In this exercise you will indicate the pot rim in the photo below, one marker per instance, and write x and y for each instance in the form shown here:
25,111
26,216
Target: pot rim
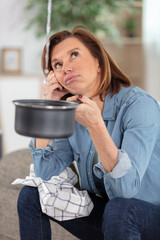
24,103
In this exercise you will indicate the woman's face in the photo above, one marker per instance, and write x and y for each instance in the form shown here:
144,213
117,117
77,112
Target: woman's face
75,68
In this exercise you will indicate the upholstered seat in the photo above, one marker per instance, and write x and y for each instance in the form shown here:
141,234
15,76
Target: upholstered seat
12,166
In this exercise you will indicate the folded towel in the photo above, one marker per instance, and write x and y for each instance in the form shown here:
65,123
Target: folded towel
58,196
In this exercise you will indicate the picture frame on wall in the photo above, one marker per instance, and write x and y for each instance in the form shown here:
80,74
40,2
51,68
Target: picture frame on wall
11,60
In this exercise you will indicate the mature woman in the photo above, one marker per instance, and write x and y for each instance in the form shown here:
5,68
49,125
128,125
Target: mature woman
116,145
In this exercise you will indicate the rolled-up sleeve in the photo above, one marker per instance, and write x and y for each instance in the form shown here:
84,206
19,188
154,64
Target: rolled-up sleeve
53,159
122,167
140,125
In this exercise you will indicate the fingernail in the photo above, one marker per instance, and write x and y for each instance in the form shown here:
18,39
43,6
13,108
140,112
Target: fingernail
80,96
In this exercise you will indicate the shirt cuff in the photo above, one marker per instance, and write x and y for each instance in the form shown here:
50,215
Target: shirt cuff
122,167
50,147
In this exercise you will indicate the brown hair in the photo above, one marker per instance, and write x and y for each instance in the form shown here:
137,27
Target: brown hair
111,76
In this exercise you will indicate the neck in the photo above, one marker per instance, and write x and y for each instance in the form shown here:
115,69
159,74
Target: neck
99,102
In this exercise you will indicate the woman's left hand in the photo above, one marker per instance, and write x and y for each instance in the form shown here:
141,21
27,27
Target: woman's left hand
87,113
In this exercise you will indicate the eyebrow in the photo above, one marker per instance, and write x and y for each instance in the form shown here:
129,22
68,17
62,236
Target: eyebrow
56,59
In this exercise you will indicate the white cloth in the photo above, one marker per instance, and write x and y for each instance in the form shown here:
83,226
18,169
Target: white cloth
58,196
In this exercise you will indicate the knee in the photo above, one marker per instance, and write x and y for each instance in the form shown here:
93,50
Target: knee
118,207
118,210
114,209
27,197
120,218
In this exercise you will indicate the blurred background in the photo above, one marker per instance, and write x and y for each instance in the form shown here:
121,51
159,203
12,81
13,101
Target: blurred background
129,30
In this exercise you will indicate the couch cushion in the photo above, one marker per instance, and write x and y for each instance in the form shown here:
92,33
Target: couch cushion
14,165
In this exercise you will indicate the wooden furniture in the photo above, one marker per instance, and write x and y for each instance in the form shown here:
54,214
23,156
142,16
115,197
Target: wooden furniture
129,54
130,58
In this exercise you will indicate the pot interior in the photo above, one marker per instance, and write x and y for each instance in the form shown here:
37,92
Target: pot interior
50,104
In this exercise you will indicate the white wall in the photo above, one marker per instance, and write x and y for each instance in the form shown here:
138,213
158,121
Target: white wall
151,38
12,88
13,20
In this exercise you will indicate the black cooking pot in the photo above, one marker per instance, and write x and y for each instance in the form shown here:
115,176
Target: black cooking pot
45,118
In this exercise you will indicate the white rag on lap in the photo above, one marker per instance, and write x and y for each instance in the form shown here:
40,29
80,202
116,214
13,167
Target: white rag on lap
58,196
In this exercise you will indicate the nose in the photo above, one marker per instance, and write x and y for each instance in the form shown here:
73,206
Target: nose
67,68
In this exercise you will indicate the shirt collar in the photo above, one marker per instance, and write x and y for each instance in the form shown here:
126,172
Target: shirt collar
109,111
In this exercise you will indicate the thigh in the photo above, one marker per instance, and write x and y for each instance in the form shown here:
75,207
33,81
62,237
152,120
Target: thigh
148,220
131,219
89,227
146,217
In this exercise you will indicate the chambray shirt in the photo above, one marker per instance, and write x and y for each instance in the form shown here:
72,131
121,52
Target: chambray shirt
132,118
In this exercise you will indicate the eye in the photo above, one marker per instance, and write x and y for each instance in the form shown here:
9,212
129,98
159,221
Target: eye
74,54
57,65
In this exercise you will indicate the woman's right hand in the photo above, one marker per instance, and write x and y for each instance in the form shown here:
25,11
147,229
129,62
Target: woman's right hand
52,89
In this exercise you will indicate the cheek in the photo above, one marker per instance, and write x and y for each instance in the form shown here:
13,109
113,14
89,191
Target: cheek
58,76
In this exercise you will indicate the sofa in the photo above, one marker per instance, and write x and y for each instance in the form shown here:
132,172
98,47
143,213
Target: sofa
16,165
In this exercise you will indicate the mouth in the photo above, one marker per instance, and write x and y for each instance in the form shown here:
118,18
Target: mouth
70,79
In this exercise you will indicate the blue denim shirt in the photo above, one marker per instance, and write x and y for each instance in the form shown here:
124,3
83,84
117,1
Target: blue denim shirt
132,118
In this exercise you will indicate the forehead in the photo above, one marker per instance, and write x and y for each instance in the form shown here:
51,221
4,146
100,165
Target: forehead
66,46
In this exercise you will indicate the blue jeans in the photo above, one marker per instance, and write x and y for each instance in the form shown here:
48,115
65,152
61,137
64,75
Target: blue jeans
118,219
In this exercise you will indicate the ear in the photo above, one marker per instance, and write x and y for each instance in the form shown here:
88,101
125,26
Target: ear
99,69
98,66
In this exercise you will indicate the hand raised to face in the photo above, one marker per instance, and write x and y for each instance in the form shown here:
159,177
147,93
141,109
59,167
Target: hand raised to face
52,88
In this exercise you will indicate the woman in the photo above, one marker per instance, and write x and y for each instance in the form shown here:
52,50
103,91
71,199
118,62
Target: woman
116,143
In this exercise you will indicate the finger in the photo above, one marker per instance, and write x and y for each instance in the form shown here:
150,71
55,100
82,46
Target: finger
50,73
65,91
72,99
50,81
52,87
51,78
56,86
84,99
